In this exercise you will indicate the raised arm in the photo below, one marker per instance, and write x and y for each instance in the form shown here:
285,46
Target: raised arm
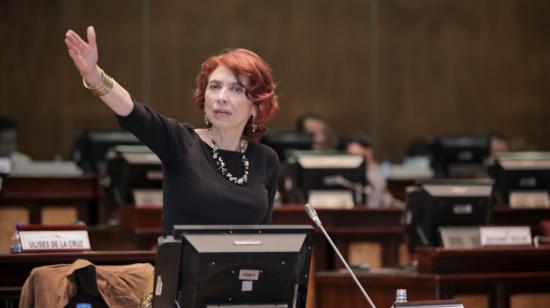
85,55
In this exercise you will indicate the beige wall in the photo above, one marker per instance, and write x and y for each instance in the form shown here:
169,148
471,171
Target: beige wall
396,69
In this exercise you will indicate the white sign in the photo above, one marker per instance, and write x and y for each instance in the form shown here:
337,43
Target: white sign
5,165
330,161
148,197
331,199
529,199
54,240
249,274
247,286
505,235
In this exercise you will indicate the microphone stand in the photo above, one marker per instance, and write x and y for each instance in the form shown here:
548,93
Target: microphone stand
315,218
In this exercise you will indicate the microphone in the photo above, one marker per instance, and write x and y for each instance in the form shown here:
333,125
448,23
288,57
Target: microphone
312,213
339,180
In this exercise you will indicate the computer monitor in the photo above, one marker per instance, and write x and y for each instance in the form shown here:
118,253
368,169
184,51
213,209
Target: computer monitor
91,148
328,171
239,266
522,179
132,169
437,203
3,178
460,156
5,169
285,143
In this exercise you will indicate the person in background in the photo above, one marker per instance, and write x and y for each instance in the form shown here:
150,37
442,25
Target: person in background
323,137
8,142
379,196
498,143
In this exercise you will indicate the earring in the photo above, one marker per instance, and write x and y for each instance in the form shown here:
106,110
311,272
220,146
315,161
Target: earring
206,120
254,125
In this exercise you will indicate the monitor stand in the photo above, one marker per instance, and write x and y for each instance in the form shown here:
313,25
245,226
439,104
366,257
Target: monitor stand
167,265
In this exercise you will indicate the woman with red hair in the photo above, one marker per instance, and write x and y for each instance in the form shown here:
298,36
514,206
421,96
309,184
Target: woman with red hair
214,175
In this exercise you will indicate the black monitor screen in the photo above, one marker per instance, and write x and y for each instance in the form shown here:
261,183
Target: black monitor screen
521,174
133,168
437,203
5,169
285,143
328,171
252,266
3,178
460,156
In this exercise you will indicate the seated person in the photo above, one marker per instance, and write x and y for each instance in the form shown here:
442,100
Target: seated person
323,137
8,142
498,143
379,194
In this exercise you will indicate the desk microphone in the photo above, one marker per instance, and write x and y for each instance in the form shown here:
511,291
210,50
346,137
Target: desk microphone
315,218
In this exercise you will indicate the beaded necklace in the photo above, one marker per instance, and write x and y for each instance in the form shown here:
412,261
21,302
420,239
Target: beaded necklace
221,164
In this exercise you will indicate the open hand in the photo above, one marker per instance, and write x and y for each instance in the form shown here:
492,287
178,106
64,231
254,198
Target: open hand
84,54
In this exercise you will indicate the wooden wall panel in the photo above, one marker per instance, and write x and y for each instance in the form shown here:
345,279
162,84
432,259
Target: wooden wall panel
40,88
397,69
317,49
463,67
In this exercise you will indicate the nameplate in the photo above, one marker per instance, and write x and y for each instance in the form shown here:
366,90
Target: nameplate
62,240
460,237
529,200
430,304
505,236
148,197
5,165
331,199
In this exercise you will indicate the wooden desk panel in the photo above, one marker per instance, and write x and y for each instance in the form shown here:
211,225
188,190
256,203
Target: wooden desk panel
360,224
63,199
496,274
337,289
50,188
503,215
382,226
483,260
35,193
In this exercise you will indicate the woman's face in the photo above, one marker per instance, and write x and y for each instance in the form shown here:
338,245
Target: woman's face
356,148
225,102
316,128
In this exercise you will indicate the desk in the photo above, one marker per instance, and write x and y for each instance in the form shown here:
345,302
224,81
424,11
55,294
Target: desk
382,226
493,274
504,215
337,289
46,199
144,221
35,193
498,272
360,224
15,268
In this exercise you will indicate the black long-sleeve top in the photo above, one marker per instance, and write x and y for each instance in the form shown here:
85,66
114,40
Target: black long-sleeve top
195,192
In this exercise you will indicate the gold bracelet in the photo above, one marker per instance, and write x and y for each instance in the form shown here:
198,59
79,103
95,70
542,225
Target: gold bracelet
105,85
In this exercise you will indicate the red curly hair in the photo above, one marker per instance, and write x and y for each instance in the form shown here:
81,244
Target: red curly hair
260,89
